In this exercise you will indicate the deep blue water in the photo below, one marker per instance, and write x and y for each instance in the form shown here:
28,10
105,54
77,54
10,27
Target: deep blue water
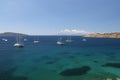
46,60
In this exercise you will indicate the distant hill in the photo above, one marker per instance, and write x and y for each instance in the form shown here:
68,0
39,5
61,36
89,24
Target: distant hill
12,34
104,35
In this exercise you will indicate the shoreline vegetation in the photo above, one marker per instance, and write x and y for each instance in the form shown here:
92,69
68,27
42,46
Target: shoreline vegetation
104,35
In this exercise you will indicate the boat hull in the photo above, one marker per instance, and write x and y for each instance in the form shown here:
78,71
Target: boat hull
60,43
18,45
68,40
35,41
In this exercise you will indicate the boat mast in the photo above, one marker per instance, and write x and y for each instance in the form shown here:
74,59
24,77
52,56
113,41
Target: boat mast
17,38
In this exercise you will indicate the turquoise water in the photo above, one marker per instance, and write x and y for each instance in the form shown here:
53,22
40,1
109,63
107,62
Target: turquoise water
46,60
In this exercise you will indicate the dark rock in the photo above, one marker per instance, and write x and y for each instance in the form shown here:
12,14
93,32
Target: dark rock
75,71
95,61
8,75
115,65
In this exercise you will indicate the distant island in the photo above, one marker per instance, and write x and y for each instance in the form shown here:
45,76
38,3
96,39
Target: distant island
104,35
12,34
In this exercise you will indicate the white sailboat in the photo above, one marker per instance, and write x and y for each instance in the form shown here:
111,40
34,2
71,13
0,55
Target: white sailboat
69,39
25,39
36,40
4,39
84,39
60,42
18,43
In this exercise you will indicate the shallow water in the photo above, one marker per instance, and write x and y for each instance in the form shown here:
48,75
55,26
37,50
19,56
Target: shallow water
46,60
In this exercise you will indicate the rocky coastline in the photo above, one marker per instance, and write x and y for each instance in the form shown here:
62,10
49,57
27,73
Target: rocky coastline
104,35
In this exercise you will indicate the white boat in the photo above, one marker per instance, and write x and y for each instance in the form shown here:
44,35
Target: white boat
36,40
18,43
25,39
4,39
69,39
59,42
84,39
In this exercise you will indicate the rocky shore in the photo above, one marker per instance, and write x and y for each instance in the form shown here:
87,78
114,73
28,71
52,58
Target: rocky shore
104,35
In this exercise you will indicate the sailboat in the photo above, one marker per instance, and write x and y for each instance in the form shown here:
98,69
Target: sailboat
60,42
18,43
36,40
84,39
25,39
4,39
69,39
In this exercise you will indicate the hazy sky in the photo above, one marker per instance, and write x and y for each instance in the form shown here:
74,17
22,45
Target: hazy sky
54,16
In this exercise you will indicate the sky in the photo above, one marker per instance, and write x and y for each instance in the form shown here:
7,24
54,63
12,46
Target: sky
51,17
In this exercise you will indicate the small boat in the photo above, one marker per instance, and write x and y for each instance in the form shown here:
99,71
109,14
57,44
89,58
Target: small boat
69,39
18,43
36,40
4,39
84,39
25,39
59,42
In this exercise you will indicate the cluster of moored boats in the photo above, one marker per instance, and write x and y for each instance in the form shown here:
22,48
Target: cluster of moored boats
59,41
20,44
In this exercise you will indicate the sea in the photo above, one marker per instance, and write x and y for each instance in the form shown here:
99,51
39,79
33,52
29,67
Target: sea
89,59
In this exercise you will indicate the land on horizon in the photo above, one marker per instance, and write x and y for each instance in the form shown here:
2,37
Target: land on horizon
104,35
12,34
93,35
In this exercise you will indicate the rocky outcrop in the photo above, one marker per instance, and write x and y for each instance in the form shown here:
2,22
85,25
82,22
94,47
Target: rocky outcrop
115,65
104,35
75,71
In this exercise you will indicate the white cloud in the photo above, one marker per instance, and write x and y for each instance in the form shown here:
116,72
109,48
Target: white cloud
74,32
